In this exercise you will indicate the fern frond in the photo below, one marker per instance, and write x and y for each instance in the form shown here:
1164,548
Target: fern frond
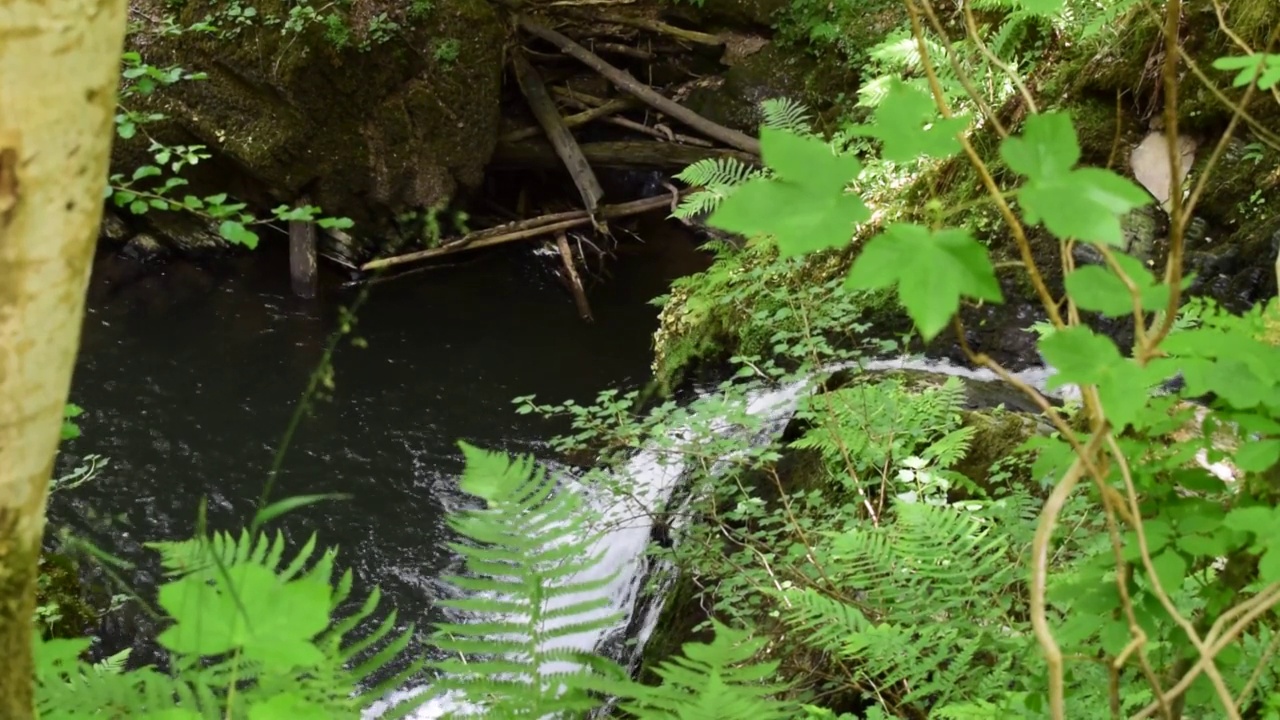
532,584
786,114
714,680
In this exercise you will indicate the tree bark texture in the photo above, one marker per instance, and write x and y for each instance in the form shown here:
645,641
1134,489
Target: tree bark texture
59,72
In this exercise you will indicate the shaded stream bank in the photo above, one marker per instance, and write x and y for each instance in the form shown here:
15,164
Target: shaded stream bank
188,377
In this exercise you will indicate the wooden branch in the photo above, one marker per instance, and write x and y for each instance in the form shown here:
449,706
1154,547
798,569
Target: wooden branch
534,227
544,109
628,84
620,49
572,121
572,98
661,27
575,282
627,154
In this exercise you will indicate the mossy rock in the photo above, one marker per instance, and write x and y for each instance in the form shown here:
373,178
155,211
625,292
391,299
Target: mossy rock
367,132
773,72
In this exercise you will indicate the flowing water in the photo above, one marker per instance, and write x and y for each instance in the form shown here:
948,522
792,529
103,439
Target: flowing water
188,378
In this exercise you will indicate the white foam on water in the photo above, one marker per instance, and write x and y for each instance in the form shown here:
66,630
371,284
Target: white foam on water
654,474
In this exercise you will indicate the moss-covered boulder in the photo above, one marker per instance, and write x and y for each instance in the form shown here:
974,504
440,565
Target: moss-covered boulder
370,108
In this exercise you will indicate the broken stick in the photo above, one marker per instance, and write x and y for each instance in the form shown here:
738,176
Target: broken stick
572,121
575,282
628,84
525,229
544,109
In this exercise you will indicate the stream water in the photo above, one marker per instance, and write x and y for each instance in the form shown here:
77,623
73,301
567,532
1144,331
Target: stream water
188,378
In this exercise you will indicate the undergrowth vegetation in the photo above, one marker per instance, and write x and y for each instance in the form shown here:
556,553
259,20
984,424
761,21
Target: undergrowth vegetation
1120,559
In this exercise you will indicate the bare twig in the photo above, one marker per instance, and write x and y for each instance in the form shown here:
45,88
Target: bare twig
628,84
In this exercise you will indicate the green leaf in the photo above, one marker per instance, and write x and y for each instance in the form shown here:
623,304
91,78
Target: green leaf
236,233
1098,288
1082,357
1257,456
801,219
806,207
932,269
1042,7
1249,67
1269,565
807,161
909,126
339,223
1084,204
146,171
1257,519
139,207
1170,569
280,507
276,626
1047,149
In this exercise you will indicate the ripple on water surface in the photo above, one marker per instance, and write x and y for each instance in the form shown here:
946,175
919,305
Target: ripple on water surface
188,378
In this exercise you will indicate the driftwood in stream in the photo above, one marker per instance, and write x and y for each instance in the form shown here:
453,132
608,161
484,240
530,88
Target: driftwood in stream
525,229
575,282
659,27
642,155
625,82
302,254
544,110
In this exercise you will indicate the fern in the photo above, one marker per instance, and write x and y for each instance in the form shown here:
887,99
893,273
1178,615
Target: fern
787,115
923,627
716,178
524,600
712,682
252,636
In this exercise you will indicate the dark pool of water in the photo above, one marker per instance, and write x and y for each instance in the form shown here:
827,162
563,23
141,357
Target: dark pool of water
189,376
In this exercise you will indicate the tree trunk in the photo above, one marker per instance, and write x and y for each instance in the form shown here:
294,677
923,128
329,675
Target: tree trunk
59,71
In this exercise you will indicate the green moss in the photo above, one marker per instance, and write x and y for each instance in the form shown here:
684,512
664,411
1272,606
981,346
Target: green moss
997,435
68,607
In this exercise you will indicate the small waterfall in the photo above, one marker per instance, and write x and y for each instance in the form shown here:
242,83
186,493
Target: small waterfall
655,474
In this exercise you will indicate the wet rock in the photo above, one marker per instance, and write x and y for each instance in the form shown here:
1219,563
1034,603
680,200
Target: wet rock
368,114
114,229
144,247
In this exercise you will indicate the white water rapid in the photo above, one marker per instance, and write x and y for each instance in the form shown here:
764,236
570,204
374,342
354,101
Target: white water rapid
654,475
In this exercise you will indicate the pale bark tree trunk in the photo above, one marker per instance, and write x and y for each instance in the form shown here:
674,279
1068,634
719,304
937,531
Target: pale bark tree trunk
59,71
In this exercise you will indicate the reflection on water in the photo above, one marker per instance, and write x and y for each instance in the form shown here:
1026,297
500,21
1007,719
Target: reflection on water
188,378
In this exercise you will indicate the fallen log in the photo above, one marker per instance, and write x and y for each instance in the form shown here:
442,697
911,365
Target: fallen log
661,27
626,154
575,282
572,98
625,82
544,110
525,229
575,120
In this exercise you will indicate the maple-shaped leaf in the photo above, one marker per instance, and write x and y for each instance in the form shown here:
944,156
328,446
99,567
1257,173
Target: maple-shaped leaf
1084,203
807,161
1080,356
806,207
932,269
909,126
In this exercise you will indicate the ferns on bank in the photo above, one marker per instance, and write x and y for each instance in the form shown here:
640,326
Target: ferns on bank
252,636
918,619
